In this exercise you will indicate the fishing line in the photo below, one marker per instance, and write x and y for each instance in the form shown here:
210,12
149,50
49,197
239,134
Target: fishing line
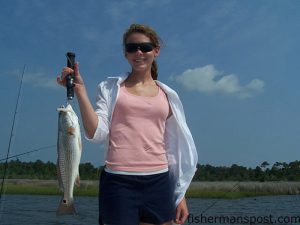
11,133
28,152
215,202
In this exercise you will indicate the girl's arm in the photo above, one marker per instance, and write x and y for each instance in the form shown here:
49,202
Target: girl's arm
88,115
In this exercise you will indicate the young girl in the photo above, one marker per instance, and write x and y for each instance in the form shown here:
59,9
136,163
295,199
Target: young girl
150,156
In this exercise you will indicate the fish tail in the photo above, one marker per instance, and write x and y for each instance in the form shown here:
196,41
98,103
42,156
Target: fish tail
66,208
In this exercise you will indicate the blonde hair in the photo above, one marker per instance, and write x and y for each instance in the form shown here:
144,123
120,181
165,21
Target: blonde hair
152,35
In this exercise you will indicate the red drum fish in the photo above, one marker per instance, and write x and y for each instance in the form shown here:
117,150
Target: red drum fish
69,149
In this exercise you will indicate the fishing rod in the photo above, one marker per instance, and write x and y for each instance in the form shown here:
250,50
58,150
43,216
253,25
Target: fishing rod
28,152
11,133
70,78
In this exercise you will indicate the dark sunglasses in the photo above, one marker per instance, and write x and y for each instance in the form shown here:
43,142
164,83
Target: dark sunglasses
144,47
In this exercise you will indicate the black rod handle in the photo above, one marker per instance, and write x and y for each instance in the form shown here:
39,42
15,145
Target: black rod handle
70,77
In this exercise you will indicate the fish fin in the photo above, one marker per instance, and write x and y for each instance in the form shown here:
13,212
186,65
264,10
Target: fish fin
60,183
77,180
66,208
71,131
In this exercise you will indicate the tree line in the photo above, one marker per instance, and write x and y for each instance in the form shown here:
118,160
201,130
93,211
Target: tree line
17,169
279,171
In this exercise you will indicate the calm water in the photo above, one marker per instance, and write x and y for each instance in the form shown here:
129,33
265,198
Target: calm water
41,210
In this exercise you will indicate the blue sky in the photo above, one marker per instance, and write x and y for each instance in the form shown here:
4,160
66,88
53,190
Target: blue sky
235,65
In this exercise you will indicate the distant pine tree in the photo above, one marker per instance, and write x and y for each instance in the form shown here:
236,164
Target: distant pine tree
280,171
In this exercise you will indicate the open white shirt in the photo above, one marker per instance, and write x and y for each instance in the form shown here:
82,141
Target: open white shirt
181,151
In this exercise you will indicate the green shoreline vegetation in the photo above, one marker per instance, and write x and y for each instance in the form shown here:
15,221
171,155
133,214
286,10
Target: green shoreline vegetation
209,181
227,190
39,188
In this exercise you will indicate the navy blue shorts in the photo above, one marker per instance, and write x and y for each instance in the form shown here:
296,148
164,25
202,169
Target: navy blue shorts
131,199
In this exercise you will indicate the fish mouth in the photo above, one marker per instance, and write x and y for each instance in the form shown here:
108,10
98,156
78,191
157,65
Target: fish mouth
61,109
64,109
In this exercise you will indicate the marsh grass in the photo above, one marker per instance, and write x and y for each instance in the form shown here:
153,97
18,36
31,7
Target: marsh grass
196,189
241,189
48,187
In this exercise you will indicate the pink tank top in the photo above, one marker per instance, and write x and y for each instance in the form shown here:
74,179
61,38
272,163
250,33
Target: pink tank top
137,133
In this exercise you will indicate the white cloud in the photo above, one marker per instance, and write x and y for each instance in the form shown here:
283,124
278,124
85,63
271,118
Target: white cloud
209,80
36,79
39,79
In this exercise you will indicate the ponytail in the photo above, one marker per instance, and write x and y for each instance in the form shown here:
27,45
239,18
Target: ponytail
154,70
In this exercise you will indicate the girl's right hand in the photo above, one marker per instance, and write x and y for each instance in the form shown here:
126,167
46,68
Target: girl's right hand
78,82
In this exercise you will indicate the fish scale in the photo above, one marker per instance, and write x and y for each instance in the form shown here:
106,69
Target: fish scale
69,153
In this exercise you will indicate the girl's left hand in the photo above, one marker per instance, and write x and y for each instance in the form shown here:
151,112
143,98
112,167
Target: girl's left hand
182,212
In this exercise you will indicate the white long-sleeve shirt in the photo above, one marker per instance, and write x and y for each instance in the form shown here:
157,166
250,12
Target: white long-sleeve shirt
181,151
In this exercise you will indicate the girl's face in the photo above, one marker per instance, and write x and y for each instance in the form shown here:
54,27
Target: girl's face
140,56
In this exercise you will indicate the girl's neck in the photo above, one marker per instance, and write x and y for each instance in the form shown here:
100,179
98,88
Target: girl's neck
140,77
